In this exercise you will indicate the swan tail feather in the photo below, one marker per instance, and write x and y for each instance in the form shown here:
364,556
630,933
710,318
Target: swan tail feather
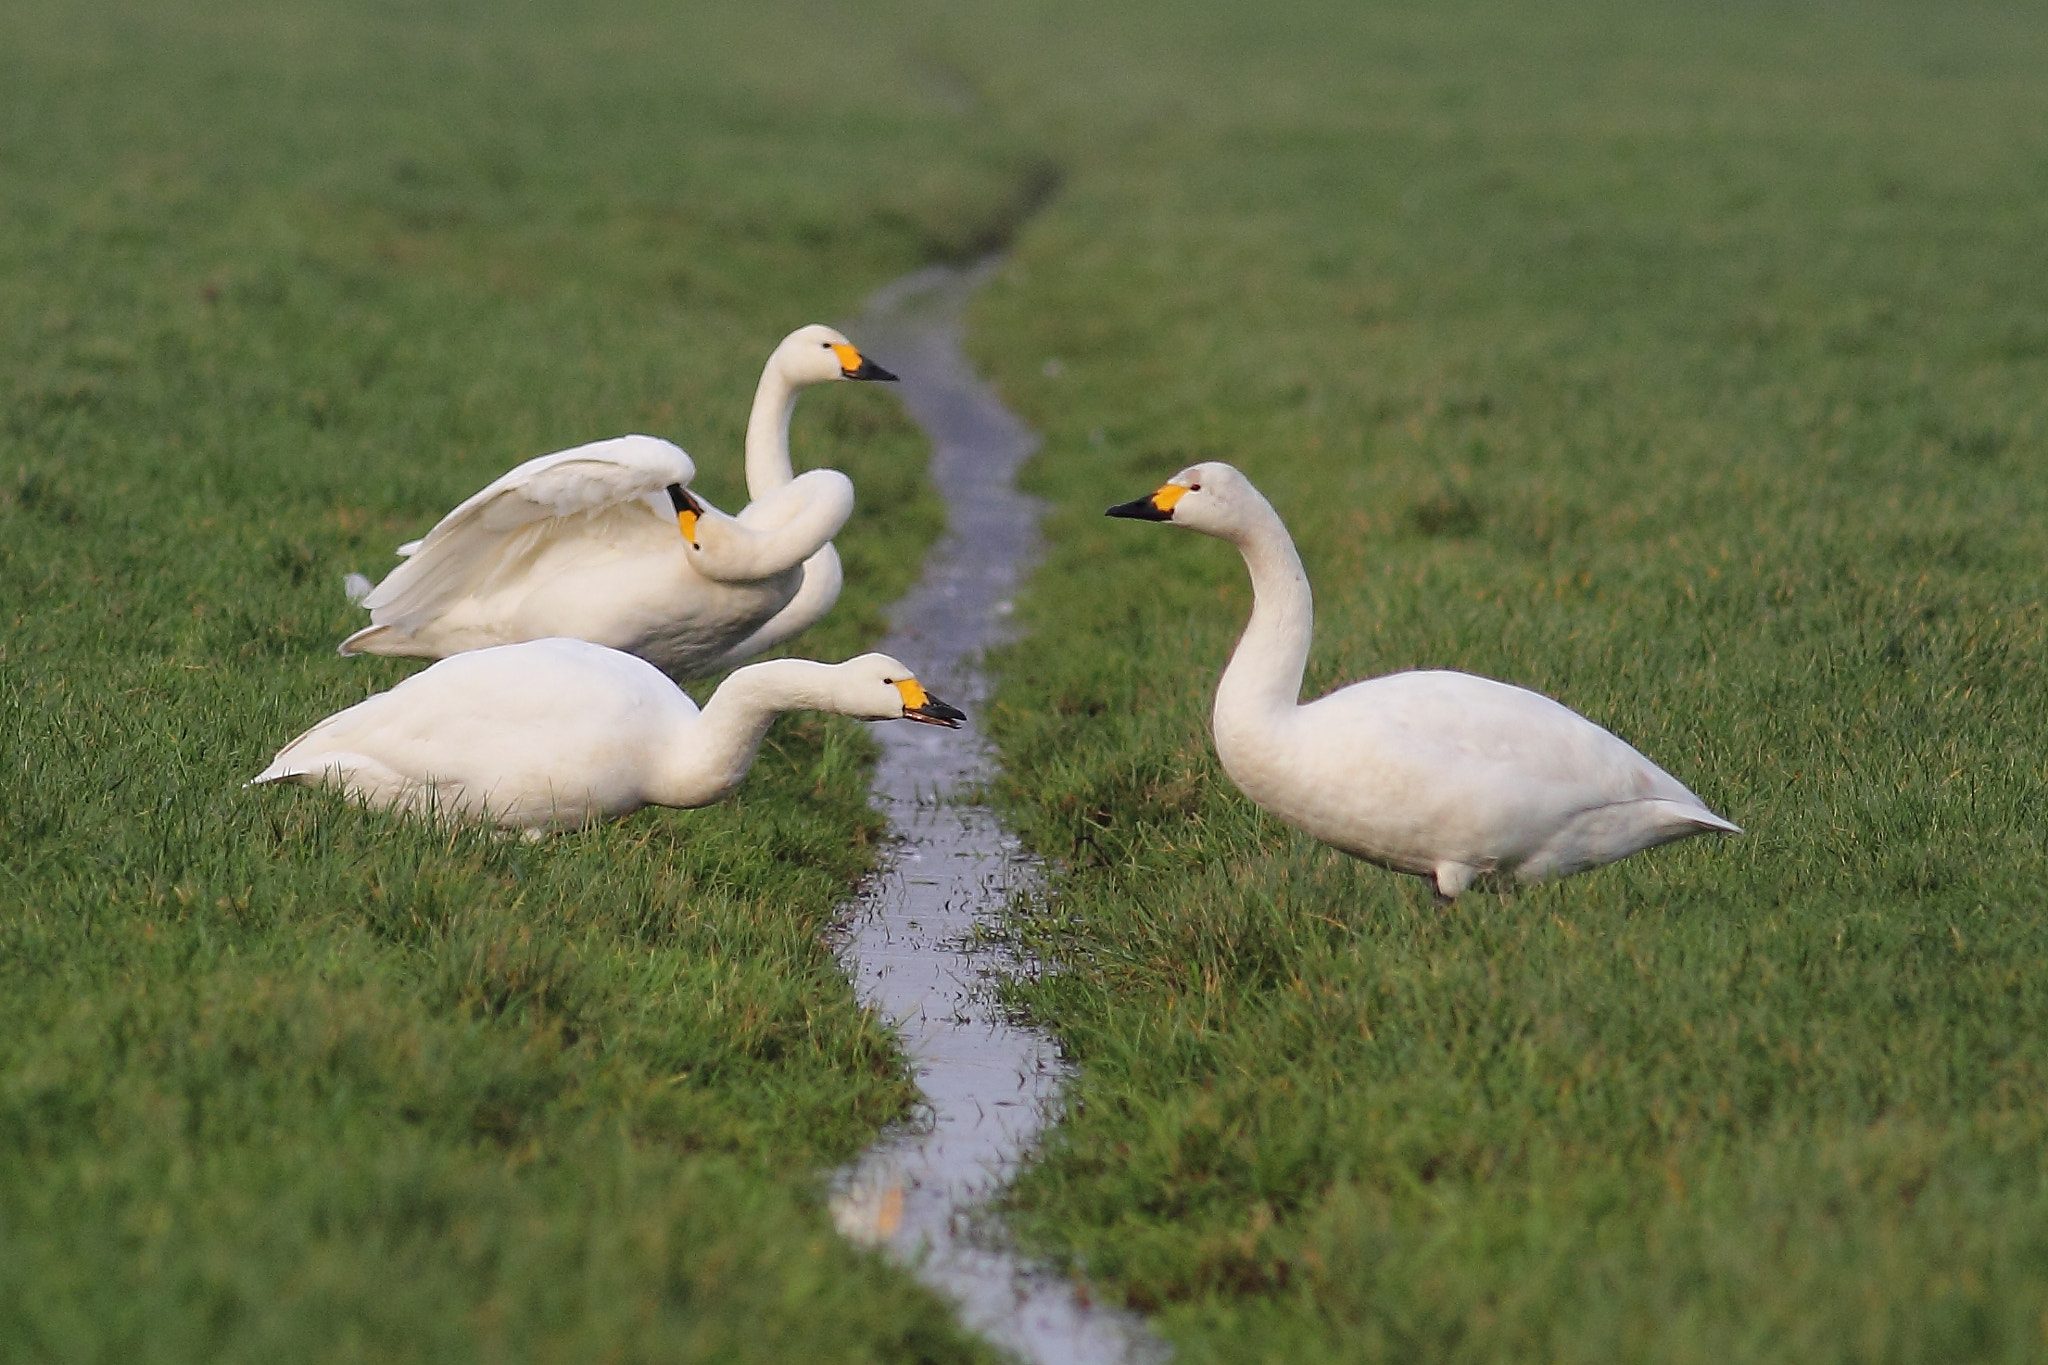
386,640
1701,819
363,777
284,769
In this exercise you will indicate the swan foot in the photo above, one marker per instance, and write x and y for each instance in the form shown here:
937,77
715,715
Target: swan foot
1452,879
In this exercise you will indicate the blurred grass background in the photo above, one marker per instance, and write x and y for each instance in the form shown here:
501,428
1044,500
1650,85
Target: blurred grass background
1687,363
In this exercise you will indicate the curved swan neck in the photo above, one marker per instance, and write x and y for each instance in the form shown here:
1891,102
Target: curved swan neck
768,466
1263,679
777,531
728,733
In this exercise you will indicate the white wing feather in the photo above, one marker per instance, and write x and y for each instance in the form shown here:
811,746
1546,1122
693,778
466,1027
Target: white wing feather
494,532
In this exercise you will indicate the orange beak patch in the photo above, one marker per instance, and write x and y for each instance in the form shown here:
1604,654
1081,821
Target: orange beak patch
1158,507
854,365
688,509
920,705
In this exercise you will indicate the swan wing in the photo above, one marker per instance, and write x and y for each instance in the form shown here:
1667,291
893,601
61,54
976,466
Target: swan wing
1435,765
604,496
1482,733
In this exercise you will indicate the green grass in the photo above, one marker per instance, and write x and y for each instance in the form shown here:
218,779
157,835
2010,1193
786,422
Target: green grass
283,1080
1689,364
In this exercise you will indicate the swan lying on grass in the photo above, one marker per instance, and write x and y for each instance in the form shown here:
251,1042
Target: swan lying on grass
606,543
557,734
1443,775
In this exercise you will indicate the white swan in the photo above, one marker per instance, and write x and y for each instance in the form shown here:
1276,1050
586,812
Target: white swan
795,365
1444,775
557,734
605,543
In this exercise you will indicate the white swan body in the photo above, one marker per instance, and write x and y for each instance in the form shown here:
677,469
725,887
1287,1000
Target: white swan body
557,734
586,543
1443,775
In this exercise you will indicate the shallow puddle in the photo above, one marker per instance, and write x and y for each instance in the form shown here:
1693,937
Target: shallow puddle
912,949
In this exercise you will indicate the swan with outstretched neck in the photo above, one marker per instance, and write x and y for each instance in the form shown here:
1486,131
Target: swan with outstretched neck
1444,775
605,542
558,734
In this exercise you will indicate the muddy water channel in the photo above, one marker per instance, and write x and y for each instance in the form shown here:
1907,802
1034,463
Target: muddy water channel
912,947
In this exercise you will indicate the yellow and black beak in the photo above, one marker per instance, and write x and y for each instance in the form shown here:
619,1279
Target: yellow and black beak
688,509
854,365
920,705
1154,507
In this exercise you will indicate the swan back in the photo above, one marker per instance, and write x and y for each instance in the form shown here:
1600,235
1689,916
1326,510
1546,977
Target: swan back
544,734
555,733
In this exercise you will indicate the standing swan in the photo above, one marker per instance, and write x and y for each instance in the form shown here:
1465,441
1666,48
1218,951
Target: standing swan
557,734
1443,775
605,543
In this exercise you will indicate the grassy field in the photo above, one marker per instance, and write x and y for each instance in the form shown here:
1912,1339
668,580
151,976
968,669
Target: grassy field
1689,364
280,1080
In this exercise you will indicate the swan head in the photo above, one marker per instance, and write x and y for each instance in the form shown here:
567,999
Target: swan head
877,687
818,354
688,512
1212,497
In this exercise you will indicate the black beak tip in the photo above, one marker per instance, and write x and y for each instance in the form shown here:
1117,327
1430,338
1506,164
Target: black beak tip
936,712
871,371
1139,509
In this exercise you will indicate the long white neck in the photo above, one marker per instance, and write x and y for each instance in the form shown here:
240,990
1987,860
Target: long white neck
768,466
777,531
728,733
1261,688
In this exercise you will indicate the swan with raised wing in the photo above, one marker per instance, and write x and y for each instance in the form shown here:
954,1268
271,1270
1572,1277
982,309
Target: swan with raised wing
605,542
1444,775
557,734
